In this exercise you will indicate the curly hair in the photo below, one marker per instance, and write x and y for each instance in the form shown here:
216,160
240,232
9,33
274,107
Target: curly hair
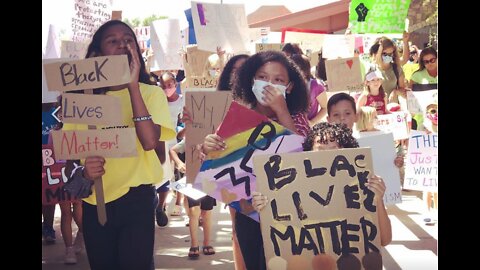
299,98
329,131
225,80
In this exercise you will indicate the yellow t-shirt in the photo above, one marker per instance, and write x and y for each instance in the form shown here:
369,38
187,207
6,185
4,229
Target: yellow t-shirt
123,173
409,69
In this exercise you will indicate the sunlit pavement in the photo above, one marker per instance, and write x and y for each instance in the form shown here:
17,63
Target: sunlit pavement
414,244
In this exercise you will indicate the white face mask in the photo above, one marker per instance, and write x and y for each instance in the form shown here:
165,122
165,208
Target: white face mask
259,86
387,58
212,72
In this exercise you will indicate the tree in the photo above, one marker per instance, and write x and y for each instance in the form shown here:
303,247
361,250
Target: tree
148,21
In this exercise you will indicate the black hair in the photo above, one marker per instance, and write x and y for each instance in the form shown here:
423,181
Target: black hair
426,51
169,74
337,132
292,49
299,98
303,63
224,82
339,97
94,49
321,70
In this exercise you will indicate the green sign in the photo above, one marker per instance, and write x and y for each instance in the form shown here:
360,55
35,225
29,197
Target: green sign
378,16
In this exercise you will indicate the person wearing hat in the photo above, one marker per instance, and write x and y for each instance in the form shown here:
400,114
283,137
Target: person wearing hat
373,94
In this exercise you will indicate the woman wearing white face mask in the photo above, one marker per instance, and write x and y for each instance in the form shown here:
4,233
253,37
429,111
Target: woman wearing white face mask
388,61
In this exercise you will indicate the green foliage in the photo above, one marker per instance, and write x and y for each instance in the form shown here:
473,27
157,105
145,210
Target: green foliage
145,22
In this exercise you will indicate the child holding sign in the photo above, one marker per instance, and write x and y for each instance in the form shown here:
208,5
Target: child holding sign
280,93
126,240
327,136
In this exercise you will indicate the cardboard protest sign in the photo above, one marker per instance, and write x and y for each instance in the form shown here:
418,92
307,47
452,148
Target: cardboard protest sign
318,209
166,45
421,168
88,16
417,101
378,16
78,144
194,61
202,82
73,50
260,47
383,155
344,74
91,109
88,73
48,96
223,25
207,112
395,122
338,46
307,39
53,178
186,188
227,175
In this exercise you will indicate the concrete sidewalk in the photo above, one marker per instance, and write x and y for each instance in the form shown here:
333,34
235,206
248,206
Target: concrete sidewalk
414,244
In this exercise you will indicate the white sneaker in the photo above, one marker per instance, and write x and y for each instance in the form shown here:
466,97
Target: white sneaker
78,244
70,257
177,211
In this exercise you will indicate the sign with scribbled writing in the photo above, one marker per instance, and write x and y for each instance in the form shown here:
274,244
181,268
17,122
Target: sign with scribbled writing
421,167
166,45
73,50
378,16
227,175
260,47
202,82
383,156
223,25
319,211
338,46
78,144
344,74
53,178
207,112
91,109
394,122
88,16
87,73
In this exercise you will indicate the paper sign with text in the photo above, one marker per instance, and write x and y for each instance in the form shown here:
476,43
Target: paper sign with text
417,101
395,122
87,73
143,35
202,82
307,39
91,109
53,178
421,167
378,16
166,45
87,16
207,112
112,143
73,50
338,46
227,175
260,47
186,188
344,74
318,207
223,25
383,155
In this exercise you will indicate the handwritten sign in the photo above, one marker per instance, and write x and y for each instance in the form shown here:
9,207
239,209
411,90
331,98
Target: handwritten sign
91,109
53,178
87,17
88,73
73,50
223,25
344,74
378,16
260,47
227,175
338,46
421,168
319,207
75,144
202,82
166,44
383,155
143,35
417,101
208,110
395,122
307,39
194,61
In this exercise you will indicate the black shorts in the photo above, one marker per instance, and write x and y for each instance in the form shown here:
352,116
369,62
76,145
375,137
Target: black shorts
206,203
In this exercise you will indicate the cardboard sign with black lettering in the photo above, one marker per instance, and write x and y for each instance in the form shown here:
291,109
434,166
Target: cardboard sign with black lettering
53,178
91,109
87,73
319,209
112,143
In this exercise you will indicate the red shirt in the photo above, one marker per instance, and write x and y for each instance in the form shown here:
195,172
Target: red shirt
377,102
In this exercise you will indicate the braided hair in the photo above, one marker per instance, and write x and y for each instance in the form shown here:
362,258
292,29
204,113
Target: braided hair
328,131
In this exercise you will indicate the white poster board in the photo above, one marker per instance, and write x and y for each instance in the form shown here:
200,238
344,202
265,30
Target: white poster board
338,46
344,74
395,122
166,44
421,168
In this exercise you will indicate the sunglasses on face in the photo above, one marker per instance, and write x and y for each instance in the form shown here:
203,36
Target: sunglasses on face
387,54
431,61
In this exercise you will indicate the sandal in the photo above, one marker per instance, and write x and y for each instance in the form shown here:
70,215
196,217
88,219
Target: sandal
208,250
193,253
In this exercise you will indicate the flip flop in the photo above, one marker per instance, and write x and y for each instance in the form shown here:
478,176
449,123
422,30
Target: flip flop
193,253
208,250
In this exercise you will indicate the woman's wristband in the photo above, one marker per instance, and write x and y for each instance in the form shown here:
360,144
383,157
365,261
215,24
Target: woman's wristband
142,118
